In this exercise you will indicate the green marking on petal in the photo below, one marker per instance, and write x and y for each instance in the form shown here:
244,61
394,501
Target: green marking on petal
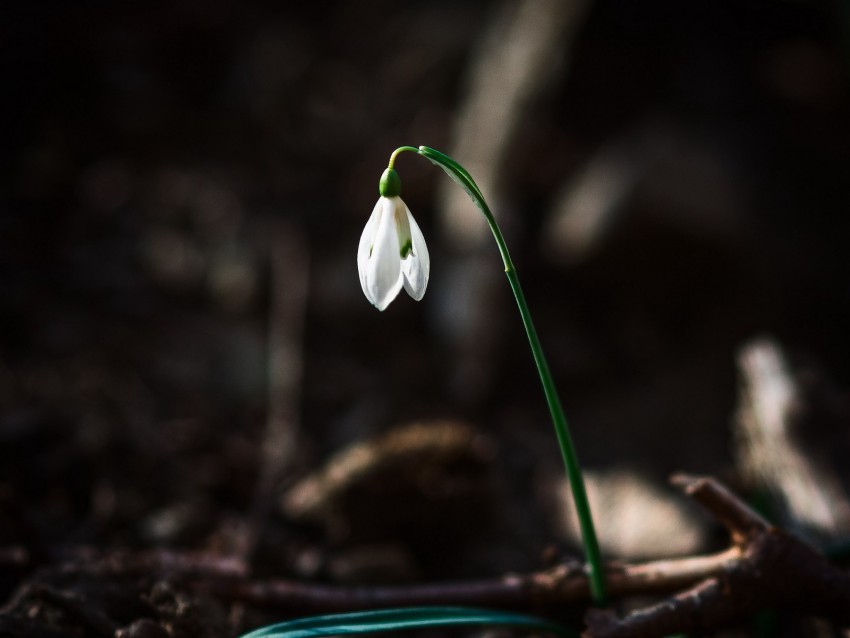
406,249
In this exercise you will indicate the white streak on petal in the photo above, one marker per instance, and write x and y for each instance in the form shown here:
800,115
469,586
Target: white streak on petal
383,279
367,239
402,215
417,267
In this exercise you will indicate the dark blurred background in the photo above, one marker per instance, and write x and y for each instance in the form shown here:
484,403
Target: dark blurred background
184,185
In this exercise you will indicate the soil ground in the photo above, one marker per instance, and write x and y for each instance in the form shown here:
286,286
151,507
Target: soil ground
174,174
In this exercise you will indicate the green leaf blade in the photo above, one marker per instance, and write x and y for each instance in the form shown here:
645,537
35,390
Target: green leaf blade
405,619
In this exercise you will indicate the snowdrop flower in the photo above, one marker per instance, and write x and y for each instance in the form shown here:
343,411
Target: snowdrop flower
392,252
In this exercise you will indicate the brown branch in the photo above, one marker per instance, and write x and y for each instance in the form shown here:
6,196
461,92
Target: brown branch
550,589
228,579
775,570
736,516
764,567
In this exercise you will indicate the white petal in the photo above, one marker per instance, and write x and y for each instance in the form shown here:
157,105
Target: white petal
367,240
383,278
417,267
402,222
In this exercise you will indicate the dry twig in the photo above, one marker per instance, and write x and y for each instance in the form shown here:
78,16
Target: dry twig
764,568
774,570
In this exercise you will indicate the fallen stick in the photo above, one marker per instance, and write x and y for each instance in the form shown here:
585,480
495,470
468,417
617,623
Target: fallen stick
764,568
775,570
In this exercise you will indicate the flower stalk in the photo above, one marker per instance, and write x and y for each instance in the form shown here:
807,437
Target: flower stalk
568,452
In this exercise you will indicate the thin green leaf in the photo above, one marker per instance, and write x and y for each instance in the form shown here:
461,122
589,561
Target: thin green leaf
588,532
402,619
458,173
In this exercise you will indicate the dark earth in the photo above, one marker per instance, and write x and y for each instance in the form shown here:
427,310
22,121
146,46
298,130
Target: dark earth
185,351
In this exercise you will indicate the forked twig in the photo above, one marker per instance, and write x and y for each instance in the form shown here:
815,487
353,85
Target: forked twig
774,570
763,568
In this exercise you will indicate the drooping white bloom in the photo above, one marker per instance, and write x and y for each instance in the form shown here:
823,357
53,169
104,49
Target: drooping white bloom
392,252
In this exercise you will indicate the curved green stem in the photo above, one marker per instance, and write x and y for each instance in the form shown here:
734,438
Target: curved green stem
568,453
396,152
